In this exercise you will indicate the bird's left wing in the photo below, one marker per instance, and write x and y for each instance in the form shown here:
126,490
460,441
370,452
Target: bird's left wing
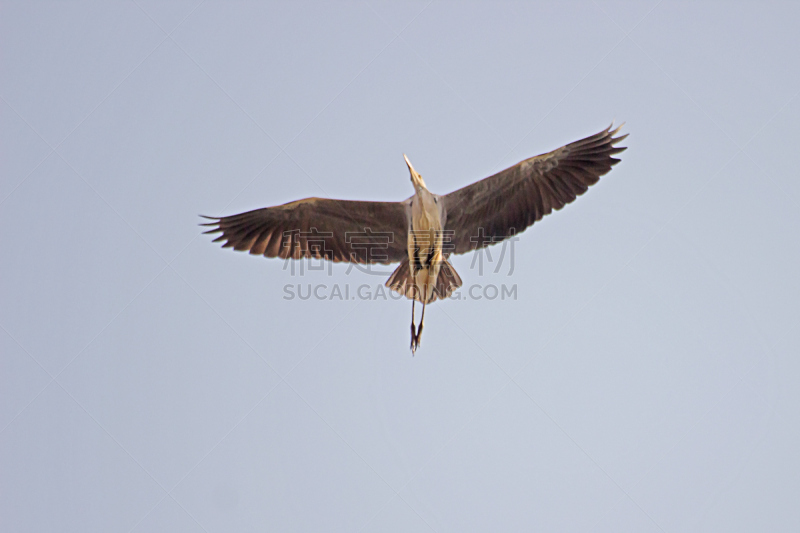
499,206
337,230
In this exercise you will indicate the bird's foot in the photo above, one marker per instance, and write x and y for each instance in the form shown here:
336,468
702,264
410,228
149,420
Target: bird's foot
414,342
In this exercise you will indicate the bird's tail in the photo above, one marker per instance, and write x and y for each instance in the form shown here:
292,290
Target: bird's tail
402,282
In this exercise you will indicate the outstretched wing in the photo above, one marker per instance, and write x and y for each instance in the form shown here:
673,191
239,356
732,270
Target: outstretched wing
338,230
499,206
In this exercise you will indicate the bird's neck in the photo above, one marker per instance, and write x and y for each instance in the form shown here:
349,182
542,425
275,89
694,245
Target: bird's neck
426,211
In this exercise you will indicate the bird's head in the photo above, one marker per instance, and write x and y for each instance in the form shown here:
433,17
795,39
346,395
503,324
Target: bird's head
416,179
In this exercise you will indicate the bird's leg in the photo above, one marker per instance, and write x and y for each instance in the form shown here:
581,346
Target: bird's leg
413,329
421,323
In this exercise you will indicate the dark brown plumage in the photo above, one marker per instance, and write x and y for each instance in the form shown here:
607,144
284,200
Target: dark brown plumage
506,203
475,216
338,230
422,231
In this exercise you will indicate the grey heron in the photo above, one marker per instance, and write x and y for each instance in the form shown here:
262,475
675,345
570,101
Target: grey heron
423,230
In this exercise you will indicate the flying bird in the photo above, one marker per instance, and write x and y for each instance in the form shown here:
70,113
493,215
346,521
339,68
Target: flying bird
422,231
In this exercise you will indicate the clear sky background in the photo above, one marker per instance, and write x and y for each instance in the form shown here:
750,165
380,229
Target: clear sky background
645,378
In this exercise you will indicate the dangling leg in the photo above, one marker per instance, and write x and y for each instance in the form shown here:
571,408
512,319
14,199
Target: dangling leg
421,323
413,329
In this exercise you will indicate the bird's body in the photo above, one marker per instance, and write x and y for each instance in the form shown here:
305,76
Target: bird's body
425,249
422,231
424,238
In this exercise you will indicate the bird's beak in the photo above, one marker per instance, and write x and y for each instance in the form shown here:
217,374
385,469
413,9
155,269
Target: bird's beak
410,166
416,179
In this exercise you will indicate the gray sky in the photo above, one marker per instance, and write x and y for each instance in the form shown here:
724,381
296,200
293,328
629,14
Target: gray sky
644,378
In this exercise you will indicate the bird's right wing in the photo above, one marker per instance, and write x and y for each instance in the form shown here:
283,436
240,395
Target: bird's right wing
499,206
337,230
